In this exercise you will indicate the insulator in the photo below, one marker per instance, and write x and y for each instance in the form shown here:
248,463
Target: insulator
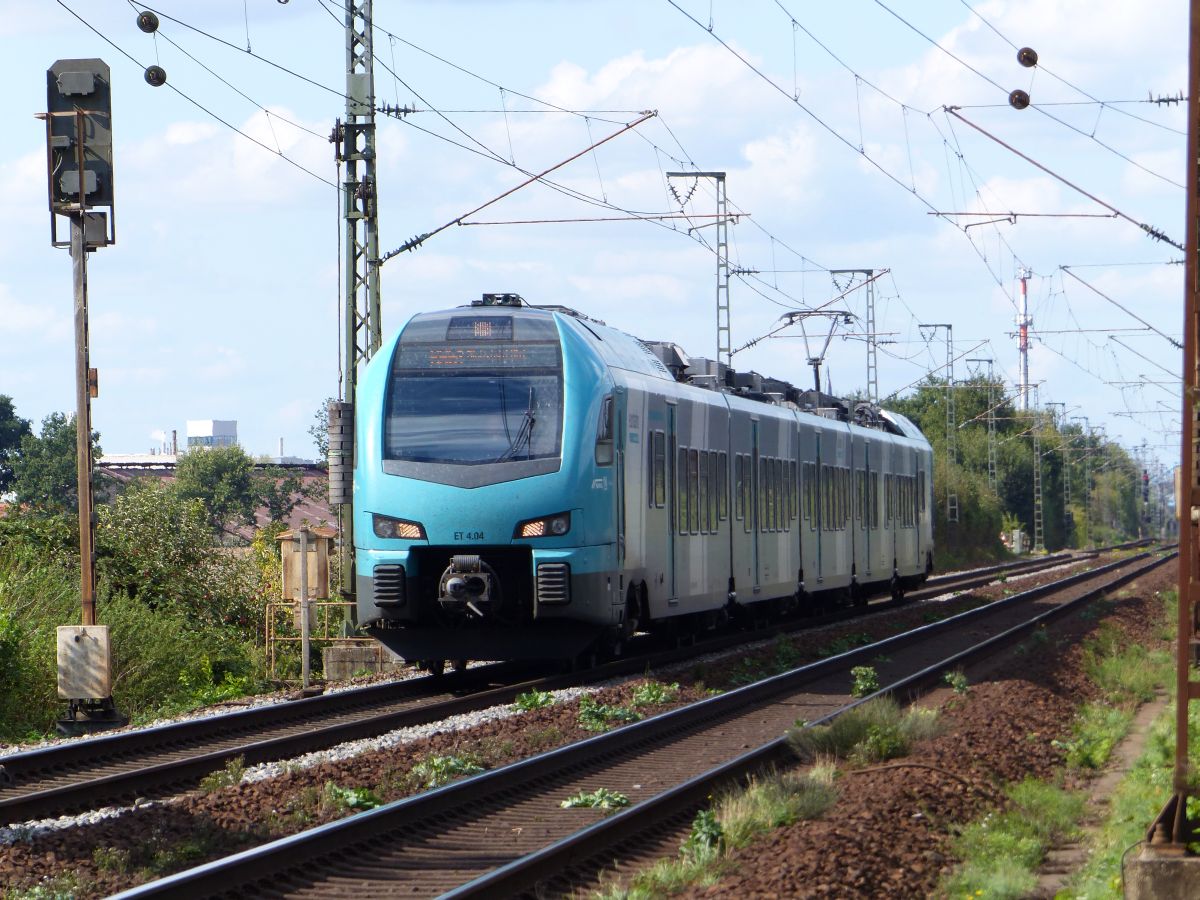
1027,57
1018,99
156,76
147,22
340,430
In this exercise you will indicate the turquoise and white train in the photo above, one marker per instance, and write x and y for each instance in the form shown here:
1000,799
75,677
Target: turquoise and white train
530,483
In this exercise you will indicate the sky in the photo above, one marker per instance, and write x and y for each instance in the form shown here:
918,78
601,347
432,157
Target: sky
854,135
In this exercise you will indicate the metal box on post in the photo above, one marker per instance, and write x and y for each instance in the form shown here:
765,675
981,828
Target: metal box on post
84,668
320,544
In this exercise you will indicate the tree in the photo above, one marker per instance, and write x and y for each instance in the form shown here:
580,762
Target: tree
12,429
281,491
319,429
45,474
222,479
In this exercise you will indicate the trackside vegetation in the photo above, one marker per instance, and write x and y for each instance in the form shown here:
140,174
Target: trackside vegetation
1002,852
185,607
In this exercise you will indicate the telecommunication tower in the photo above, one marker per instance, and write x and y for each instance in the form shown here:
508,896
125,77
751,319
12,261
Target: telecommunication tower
1023,338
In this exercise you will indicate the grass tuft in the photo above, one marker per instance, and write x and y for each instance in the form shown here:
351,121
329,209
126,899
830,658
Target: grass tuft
871,732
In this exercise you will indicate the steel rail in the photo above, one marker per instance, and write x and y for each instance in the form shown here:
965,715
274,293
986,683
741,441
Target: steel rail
51,764
261,867
586,845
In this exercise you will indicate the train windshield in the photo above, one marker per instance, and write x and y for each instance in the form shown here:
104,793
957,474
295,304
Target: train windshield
474,390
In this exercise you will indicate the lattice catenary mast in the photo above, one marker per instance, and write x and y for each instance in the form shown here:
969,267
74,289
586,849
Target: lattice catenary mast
354,140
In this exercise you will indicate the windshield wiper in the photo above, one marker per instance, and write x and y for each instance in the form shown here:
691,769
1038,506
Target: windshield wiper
524,434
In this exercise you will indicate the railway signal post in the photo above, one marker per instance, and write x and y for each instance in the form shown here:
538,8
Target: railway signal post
79,165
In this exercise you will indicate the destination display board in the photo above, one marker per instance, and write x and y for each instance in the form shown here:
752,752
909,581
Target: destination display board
448,356
480,328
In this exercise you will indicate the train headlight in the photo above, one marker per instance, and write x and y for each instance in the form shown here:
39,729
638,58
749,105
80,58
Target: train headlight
388,527
547,526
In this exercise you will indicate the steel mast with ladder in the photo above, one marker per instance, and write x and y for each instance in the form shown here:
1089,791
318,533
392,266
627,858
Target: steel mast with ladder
354,142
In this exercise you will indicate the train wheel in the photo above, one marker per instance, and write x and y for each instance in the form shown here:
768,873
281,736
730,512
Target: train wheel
460,665
436,667
897,588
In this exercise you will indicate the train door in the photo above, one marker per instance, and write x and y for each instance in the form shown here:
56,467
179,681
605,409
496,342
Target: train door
754,511
619,408
821,503
863,564
673,511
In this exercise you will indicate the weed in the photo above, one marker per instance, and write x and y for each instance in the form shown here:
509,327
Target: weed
933,616
1096,730
601,798
957,682
532,700
600,717
874,730
545,738
706,839
865,681
774,801
226,777
435,770
60,887
349,799
844,644
111,859
787,654
1002,851
653,693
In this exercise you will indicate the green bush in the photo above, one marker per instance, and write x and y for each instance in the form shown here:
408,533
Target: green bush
177,637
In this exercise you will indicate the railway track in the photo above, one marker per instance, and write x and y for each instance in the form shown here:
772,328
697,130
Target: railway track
502,833
155,762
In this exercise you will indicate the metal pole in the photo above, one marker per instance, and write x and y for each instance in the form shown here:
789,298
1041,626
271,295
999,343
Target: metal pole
355,142
1023,340
1189,565
305,624
83,397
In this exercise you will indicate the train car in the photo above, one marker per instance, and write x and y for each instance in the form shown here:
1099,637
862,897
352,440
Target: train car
530,483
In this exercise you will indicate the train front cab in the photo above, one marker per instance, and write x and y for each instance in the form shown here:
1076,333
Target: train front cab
465,547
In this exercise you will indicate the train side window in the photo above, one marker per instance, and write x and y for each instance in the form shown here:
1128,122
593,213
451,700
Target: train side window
769,494
921,490
785,492
693,470
825,495
604,433
748,492
809,472
776,496
723,485
660,469
844,482
714,507
702,503
887,499
873,500
781,504
789,482
681,488
738,509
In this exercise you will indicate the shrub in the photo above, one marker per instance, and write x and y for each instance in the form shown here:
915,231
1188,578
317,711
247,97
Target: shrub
865,681
531,700
436,770
601,798
600,717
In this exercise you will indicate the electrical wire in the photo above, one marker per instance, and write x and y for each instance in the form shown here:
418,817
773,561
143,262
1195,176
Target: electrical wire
194,102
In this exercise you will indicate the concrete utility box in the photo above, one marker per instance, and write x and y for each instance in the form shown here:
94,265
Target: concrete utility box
84,662
320,548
